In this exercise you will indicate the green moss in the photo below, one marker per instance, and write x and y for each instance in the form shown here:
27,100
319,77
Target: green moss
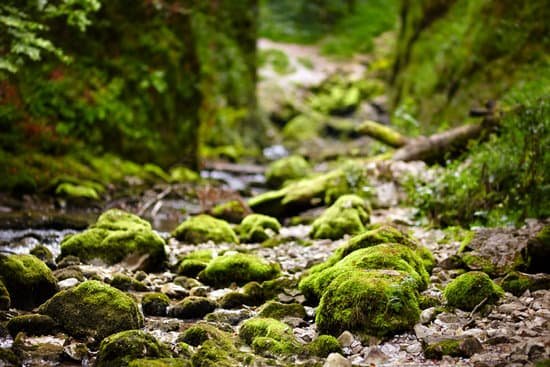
183,174
28,280
204,228
217,350
374,302
31,324
75,192
323,345
238,268
232,211
44,254
155,304
449,347
268,336
286,169
381,132
277,310
302,128
348,215
9,357
114,236
161,362
271,288
200,332
93,309
383,256
257,228
127,283
191,267
5,300
517,283
470,289
192,307
72,271
120,349
235,300
474,261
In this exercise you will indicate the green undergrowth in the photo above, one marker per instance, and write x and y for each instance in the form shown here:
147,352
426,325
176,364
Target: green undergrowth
499,182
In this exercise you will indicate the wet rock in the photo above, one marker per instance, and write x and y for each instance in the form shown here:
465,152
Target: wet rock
336,360
192,308
174,291
204,228
155,304
126,283
28,280
258,228
68,283
32,324
118,236
76,351
238,268
93,309
455,347
348,215
470,289
119,349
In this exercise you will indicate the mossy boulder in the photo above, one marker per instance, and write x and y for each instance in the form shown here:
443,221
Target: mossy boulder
44,254
203,228
233,211
516,282
454,347
127,283
28,280
470,289
277,310
5,300
160,362
120,349
192,307
116,236
238,268
191,267
200,332
308,193
76,192
348,215
323,345
268,336
155,304
93,309
258,228
384,256
31,324
371,302
286,169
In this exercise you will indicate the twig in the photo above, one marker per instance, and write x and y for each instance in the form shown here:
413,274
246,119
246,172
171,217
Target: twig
478,306
145,206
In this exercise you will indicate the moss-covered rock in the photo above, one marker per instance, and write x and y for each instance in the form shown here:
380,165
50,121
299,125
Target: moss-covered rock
127,283
120,349
192,307
233,211
115,236
183,174
302,127
28,280
454,347
201,332
271,288
203,228
160,362
517,283
44,254
258,228
235,299
72,271
470,289
216,347
348,215
373,302
32,324
323,345
191,267
5,300
155,304
9,358
286,169
277,310
93,309
268,336
238,268
350,178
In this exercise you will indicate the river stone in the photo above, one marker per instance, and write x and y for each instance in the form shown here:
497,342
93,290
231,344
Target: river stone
336,360
93,309
28,280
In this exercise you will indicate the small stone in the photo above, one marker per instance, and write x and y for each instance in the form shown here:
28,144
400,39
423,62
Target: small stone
422,331
427,315
336,360
376,356
414,348
67,283
346,339
174,291
201,291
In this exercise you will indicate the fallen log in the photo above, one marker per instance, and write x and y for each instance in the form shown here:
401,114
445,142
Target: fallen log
382,133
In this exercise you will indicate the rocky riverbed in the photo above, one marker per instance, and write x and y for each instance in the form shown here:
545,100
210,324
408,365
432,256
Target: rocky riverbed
187,292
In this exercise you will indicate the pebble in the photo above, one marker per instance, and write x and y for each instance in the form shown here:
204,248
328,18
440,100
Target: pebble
427,315
68,283
336,360
346,339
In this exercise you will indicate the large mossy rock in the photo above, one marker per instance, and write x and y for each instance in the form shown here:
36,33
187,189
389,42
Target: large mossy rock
286,169
204,228
5,300
257,228
238,268
269,337
369,302
28,280
120,349
348,215
471,289
93,309
301,195
116,236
